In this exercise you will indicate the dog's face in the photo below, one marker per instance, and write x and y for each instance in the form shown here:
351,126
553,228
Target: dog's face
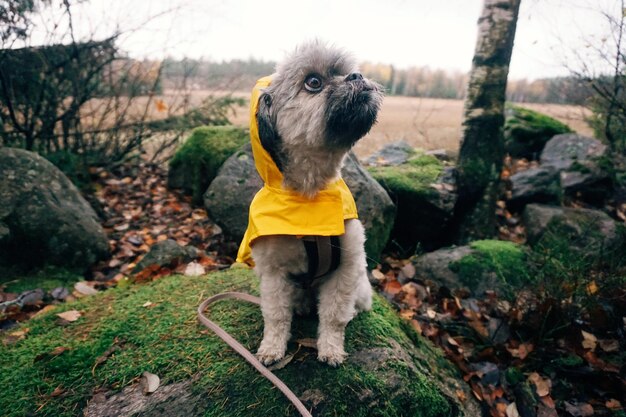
317,98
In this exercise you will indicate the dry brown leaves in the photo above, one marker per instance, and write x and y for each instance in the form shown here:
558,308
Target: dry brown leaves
569,367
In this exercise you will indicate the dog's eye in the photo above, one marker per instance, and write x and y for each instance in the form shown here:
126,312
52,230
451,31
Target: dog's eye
313,83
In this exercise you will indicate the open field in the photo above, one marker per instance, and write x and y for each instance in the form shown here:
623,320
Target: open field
426,123
430,123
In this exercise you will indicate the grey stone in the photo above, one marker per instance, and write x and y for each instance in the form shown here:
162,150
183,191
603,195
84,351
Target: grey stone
591,231
60,293
393,154
435,266
47,219
177,399
229,195
441,154
228,198
165,253
376,210
563,150
475,268
577,158
537,185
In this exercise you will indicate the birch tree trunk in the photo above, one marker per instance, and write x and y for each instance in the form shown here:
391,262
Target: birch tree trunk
482,149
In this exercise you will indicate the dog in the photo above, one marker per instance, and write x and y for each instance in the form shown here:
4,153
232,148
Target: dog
315,108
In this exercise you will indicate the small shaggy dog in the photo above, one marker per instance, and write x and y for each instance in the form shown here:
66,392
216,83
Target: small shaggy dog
304,120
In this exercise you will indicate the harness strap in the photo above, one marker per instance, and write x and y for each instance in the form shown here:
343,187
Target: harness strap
324,254
247,355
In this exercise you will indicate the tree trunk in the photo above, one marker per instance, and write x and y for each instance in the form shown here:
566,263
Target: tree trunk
482,150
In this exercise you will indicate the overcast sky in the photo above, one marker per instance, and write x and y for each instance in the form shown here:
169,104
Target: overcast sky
434,33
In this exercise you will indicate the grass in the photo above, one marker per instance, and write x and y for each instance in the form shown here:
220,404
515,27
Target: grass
166,340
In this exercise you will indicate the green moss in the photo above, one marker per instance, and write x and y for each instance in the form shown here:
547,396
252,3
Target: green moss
514,376
166,339
506,260
197,161
527,131
47,278
414,176
570,361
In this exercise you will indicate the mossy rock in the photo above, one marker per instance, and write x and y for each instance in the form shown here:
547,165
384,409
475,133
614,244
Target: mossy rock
526,131
480,266
501,263
197,161
423,190
92,365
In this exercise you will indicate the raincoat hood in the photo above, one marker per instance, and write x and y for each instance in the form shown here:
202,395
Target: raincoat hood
279,211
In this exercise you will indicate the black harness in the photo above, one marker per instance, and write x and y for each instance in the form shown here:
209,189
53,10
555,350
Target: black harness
324,253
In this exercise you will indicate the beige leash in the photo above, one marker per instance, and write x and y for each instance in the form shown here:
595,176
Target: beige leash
245,352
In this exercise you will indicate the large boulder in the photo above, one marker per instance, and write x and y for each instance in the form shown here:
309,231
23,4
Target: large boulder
229,196
43,217
571,166
526,131
196,162
480,266
390,369
591,232
424,191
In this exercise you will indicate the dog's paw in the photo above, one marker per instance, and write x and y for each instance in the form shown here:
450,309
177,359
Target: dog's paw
330,353
268,356
332,358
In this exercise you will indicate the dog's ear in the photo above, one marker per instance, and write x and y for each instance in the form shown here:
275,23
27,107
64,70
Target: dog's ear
270,140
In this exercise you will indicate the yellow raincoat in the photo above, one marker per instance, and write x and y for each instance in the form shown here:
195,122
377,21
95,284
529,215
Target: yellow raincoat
279,211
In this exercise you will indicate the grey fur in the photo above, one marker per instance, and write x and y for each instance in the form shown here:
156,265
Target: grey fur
308,134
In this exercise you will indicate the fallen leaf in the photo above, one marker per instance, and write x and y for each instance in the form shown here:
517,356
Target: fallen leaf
511,410
57,391
408,270
613,404
281,363
150,382
20,334
71,315
461,395
416,325
378,275
579,410
407,314
194,269
392,287
542,385
589,340
608,345
52,354
592,288
147,304
307,342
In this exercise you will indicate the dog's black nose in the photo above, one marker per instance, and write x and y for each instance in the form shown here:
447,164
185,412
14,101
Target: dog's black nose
354,76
